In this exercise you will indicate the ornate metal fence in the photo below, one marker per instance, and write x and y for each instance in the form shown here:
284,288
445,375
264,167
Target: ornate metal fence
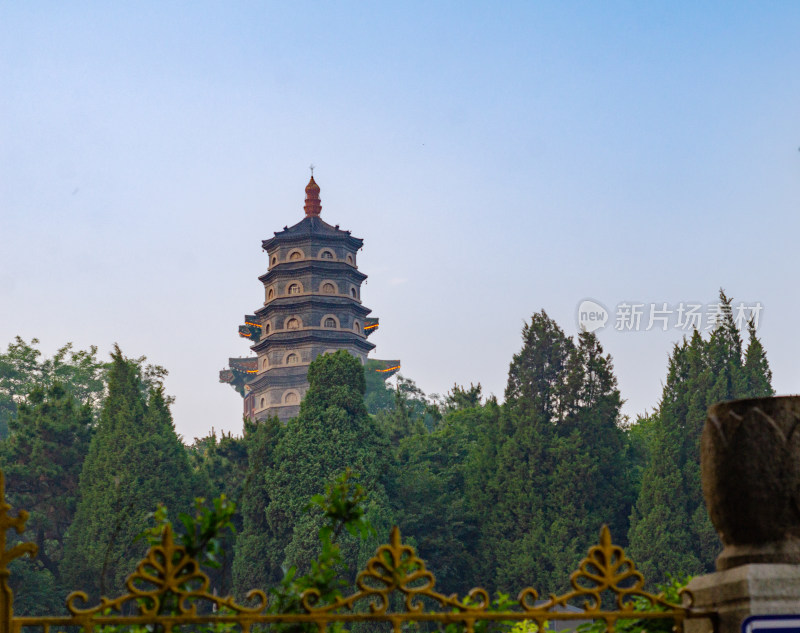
170,592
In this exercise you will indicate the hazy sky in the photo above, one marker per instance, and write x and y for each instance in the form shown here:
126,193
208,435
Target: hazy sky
497,159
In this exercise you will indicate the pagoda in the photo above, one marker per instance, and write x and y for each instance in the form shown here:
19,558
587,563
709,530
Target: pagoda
312,306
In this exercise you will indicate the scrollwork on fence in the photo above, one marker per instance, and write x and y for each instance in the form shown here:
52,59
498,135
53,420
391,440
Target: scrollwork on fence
167,578
169,589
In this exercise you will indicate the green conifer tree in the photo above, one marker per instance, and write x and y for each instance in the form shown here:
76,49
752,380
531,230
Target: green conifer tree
590,483
660,538
259,552
536,400
429,493
670,529
561,469
135,461
758,375
42,461
220,466
332,432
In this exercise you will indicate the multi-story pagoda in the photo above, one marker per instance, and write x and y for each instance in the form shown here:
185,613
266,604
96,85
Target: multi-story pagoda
312,305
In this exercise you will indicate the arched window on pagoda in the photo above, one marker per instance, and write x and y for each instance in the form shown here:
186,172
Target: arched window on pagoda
293,324
266,328
295,256
292,359
326,255
328,288
264,364
263,402
330,322
350,260
291,398
270,294
274,260
294,289
353,293
357,327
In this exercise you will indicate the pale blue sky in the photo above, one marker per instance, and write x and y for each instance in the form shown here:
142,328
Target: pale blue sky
496,158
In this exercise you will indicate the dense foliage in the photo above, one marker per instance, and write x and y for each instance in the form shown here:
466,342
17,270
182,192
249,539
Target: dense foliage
502,495
332,432
135,460
670,529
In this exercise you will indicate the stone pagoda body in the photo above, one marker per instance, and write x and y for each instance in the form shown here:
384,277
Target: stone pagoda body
312,305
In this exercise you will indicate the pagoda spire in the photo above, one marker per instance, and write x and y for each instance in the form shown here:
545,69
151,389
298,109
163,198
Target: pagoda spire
313,206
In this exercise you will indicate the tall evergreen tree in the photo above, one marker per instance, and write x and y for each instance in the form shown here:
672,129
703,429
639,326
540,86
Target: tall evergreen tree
757,374
590,483
378,396
670,529
536,399
259,551
538,373
332,432
135,461
561,468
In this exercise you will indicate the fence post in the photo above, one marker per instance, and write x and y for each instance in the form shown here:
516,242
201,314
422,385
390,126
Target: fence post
750,462
7,555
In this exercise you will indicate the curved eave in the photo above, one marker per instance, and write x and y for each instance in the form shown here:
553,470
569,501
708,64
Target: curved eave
278,377
295,304
314,335
314,265
281,238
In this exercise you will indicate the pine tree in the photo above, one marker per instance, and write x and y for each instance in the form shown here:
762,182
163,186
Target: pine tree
42,461
22,369
135,461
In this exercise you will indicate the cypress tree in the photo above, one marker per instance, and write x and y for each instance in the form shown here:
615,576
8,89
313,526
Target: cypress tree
537,375
259,552
670,529
590,484
758,375
660,536
135,461
536,400
332,432
561,469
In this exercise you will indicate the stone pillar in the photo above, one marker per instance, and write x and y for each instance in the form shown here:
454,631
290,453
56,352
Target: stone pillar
750,462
